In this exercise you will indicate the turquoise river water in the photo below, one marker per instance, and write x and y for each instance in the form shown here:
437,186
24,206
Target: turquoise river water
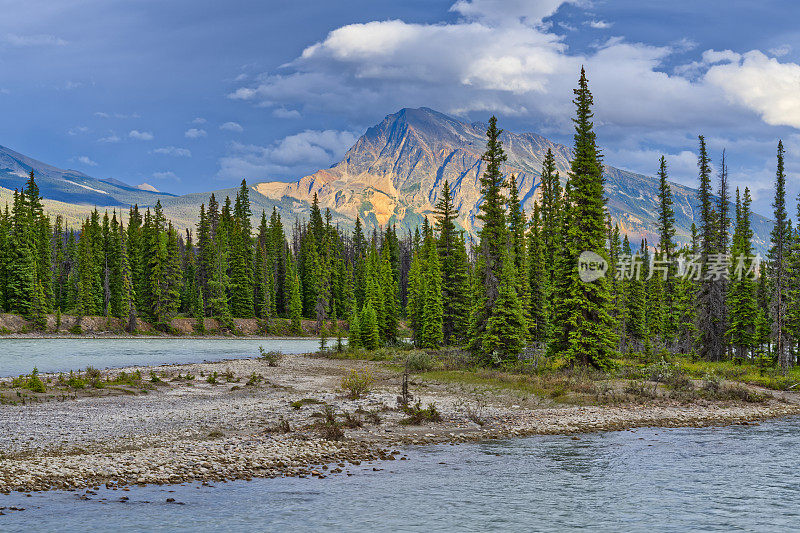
736,478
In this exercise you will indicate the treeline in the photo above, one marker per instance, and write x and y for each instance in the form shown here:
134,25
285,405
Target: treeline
224,269
519,287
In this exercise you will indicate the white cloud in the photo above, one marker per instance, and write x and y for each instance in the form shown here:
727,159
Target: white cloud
166,175
173,150
21,41
494,11
85,160
199,120
780,51
500,57
599,24
761,84
77,130
232,126
110,138
507,63
140,135
103,114
282,112
296,154
194,133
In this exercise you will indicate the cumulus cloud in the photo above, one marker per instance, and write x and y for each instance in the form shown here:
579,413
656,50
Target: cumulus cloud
232,126
166,175
500,57
110,138
496,11
77,130
780,51
509,63
761,84
140,135
194,133
85,160
22,41
282,112
296,154
103,114
599,24
199,120
174,151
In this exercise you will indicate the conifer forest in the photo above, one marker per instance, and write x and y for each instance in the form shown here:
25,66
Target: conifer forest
515,290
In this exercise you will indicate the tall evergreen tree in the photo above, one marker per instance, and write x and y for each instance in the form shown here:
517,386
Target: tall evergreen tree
666,248
455,270
741,304
710,296
778,267
586,328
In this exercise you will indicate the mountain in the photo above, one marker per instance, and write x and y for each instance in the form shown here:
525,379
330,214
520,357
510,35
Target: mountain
394,174
71,186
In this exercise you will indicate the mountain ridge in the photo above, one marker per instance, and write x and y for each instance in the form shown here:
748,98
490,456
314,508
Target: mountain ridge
392,174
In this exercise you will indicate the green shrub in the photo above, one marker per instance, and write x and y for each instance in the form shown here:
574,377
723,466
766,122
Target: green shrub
132,379
35,384
254,380
418,416
352,420
357,383
420,361
297,404
271,357
329,428
212,378
75,381
94,377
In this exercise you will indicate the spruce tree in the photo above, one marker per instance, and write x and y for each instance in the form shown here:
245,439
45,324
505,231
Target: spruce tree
539,280
295,310
455,270
518,246
666,248
370,334
709,298
741,303
431,334
778,268
505,330
586,326
354,331
494,240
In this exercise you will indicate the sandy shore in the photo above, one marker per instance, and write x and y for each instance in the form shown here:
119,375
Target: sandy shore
192,430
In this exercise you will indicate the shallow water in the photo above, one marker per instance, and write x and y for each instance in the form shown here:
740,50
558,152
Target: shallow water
654,479
18,356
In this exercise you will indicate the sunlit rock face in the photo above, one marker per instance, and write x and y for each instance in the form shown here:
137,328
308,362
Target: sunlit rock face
395,171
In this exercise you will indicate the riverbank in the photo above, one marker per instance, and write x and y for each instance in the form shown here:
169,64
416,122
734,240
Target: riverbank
241,419
72,326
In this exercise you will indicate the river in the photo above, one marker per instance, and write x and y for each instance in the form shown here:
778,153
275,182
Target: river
20,356
651,479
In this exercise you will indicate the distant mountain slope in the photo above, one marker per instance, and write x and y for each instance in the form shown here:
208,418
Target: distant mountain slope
393,174
70,186
395,171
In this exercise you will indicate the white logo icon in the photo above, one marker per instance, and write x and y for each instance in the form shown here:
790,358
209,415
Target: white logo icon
591,266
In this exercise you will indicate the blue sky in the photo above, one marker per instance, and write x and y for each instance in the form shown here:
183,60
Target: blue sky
195,95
